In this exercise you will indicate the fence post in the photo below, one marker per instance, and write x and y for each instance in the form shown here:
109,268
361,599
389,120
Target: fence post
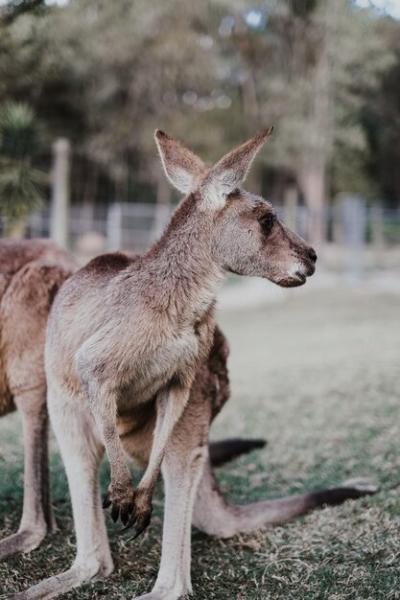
337,221
114,227
354,213
60,192
290,204
377,233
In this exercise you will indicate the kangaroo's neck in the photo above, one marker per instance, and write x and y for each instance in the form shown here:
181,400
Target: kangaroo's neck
184,276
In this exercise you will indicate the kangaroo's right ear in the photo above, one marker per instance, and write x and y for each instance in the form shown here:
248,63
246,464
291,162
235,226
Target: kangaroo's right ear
183,168
230,172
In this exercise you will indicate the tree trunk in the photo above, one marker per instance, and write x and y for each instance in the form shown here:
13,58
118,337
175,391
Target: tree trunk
319,134
60,192
312,182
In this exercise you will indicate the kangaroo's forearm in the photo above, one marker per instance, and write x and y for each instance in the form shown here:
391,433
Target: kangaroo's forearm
120,474
170,406
104,410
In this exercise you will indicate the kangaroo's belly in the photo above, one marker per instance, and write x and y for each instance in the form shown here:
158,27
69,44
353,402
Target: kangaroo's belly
209,392
175,359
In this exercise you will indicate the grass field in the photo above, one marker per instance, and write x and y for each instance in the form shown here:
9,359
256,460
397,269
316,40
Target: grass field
317,375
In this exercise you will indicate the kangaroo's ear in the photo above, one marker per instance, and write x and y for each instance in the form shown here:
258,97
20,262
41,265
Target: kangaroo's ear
230,172
183,168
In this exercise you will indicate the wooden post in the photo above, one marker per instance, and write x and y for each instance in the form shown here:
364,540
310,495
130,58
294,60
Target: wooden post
337,221
354,223
60,199
114,227
290,205
377,233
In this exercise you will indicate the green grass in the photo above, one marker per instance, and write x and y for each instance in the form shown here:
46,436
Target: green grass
318,376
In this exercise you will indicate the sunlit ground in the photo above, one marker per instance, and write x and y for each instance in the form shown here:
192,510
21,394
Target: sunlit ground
317,375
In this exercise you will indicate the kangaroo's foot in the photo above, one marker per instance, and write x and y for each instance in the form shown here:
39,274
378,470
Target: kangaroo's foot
160,591
164,594
25,540
63,582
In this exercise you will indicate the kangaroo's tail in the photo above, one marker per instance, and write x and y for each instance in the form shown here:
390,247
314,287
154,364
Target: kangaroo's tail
225,450
216,516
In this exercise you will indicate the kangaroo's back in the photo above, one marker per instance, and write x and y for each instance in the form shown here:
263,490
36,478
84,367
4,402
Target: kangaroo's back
31,272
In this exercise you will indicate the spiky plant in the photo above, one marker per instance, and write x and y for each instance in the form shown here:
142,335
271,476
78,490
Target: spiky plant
21,185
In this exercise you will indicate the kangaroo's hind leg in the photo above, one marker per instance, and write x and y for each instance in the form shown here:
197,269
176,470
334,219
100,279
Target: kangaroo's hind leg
182,467
81,452
37,519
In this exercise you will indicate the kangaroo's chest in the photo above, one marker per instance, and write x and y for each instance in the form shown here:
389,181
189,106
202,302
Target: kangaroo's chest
177,356
174,357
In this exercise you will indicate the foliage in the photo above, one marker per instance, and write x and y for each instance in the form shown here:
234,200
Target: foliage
20,183
105,74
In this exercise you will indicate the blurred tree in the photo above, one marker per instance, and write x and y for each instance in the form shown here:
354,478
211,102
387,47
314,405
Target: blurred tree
142,66
381,121
13,9
105,74
309,66
21,185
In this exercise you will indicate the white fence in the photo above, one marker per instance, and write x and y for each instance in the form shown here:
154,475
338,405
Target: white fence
363,237
136,225
132,226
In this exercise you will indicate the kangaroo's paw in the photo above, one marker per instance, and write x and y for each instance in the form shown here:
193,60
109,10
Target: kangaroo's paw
121,499
132,506
25,540
139,515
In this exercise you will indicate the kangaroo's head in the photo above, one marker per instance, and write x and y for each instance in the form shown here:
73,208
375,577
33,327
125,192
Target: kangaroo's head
246,236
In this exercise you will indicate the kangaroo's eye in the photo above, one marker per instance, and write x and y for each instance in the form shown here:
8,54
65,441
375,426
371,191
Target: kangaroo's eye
267,222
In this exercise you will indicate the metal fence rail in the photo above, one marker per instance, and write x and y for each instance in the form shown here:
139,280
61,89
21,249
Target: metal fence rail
132,226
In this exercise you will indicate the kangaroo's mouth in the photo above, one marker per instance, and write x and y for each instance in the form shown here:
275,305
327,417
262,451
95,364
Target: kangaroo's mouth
302,277
295,280
299,276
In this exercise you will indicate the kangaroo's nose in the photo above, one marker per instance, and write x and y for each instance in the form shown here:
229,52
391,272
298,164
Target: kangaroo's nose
312,254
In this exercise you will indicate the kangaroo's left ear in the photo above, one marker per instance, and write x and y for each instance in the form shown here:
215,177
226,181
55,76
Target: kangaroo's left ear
183,168
230,172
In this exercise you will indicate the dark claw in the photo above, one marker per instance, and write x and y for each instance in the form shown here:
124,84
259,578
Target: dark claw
115,513
129,523
106,501
142,524
125,512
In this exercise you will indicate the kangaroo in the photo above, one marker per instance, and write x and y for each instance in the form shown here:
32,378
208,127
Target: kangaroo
31,272
130,364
